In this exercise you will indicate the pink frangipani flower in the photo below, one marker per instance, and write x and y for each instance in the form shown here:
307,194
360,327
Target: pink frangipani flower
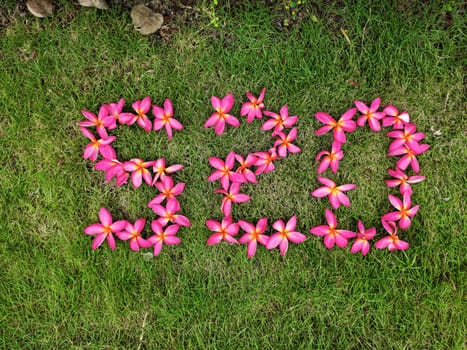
163,236
253,108
224,230
164,118
224,171
370,114
330,158
244,167
279,121
169,213
160,170
344,124
363,236
105,229
102,146
167,190
264,161
233,195
115,111
254,234
392,242
101,122
133,233
408,156
406,137
392,117
331,234
284,145
219,118
139,171
141,108
402,180
333,192
405,211
284,234
122,178
112,168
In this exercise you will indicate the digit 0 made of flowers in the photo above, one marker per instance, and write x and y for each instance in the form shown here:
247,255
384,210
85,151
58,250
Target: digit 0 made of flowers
405,144
236,170
153,173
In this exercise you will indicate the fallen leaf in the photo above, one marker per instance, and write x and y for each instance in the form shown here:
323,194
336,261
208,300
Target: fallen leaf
435,132
346,36
145,20
167,32
33,55
147,256
40,8
100,4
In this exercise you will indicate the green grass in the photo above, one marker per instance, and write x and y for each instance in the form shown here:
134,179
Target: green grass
57,293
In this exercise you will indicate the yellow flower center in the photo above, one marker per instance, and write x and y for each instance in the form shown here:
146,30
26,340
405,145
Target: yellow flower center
254,235
285,233
165,118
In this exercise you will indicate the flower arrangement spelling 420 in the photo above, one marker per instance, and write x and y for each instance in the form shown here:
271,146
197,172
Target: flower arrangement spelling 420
236,170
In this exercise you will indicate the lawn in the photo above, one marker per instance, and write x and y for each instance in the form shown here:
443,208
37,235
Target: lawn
56,293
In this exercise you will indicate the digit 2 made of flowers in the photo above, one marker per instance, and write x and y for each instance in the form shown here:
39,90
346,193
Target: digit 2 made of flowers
153,173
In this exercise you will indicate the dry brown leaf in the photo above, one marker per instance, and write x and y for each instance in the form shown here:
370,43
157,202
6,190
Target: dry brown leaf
346,35
100,4
40,8
168,31
145,20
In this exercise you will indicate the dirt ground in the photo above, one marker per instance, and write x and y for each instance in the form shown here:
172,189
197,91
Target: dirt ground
180,13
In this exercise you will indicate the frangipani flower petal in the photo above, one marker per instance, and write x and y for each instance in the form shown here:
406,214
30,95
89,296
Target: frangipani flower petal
98,240
296,237
94,229
321,230
274,241
252,248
